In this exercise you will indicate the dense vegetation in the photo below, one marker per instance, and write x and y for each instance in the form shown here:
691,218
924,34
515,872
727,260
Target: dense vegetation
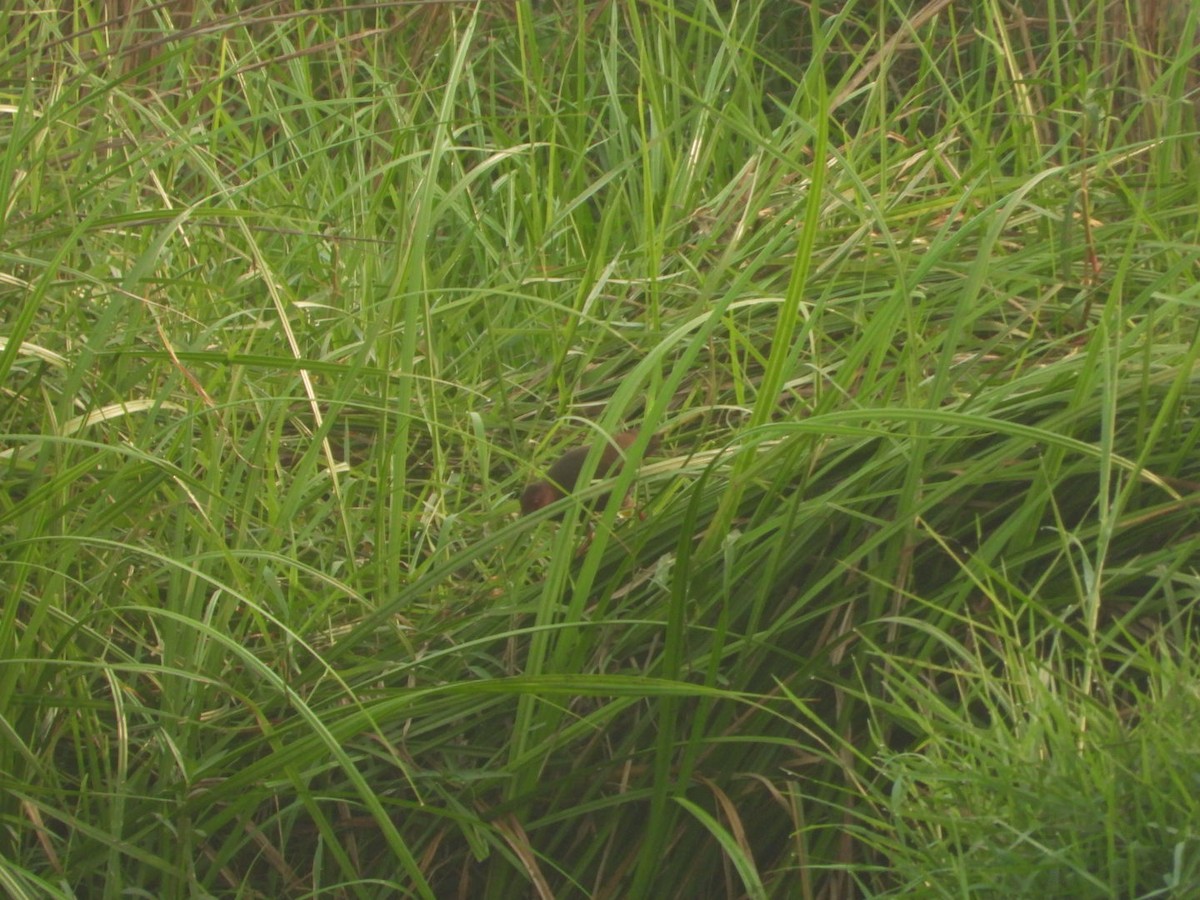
293,303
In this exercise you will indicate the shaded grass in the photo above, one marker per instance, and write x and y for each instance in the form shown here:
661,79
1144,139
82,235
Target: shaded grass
295,304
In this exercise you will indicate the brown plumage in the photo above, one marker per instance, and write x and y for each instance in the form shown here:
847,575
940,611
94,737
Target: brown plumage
564,473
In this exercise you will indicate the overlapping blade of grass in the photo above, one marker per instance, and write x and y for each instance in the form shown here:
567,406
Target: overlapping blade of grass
300,300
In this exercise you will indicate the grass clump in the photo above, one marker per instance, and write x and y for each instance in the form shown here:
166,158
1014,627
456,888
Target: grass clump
1038,790
295,302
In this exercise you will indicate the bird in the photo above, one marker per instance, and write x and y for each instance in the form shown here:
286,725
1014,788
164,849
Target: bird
564,472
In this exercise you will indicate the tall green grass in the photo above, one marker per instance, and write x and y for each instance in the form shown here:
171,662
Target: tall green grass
293,303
